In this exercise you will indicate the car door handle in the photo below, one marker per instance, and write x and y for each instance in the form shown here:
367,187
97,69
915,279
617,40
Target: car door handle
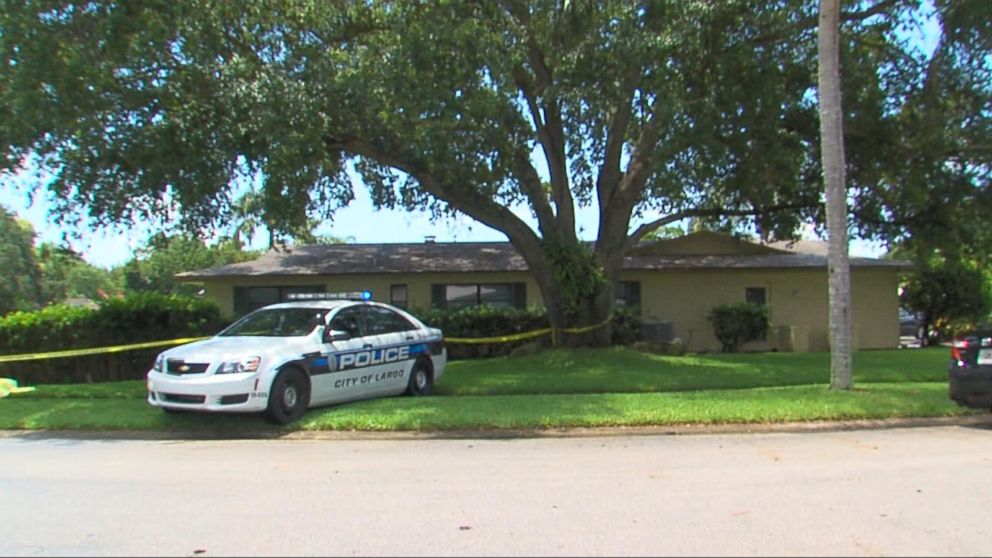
367,346
409,338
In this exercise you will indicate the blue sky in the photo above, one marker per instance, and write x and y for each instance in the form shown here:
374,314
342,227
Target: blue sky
358,222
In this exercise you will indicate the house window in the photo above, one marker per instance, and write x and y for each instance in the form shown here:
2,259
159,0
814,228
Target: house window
247,299
756,295
499,295
759,296
398,295
628,293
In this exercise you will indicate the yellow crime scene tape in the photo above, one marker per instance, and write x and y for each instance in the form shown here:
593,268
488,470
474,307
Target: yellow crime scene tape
96,350
500,339
528,335
151,344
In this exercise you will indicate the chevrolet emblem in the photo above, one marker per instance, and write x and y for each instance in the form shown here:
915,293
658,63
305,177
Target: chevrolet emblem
184,368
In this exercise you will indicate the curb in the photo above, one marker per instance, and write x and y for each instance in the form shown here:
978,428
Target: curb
977,421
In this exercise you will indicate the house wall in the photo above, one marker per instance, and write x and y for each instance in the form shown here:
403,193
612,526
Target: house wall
797,300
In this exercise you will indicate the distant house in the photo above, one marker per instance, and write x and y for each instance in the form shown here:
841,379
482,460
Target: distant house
673,282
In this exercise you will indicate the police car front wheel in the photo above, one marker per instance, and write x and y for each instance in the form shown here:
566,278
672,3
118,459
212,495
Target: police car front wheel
421,379
289,396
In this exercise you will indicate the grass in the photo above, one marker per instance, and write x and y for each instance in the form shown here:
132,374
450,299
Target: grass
625,371
567,388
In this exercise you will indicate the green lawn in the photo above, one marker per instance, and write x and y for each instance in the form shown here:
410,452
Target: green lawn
619,370
611,387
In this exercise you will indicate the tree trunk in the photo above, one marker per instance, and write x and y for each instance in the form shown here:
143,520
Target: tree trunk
832,155
578,316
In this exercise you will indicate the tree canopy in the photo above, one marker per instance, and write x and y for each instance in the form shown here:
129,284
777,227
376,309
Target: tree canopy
155,265
20,282
652,112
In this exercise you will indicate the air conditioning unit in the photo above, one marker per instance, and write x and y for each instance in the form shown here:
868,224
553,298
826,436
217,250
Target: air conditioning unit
658,332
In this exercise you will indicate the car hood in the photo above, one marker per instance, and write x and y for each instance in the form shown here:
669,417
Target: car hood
234,348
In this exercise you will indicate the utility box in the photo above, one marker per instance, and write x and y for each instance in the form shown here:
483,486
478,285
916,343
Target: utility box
658,332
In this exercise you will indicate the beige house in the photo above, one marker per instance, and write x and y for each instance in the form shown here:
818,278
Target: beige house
674,282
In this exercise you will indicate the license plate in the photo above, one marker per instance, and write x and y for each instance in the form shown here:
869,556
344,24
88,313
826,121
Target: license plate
985,356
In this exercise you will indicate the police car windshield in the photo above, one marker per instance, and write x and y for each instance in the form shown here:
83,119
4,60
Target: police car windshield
277,322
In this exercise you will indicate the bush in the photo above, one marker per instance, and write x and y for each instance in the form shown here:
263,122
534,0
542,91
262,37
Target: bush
734,324
486,321
626,325
132,319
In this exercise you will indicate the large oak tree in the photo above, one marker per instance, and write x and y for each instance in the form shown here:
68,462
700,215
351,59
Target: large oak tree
651,112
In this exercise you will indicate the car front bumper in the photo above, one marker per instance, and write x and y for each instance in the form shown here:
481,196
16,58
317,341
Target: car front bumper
227,392
971,386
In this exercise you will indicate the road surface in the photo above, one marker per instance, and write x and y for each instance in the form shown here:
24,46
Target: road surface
907,491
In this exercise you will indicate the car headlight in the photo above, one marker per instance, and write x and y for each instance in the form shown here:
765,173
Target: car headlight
159,363
249,364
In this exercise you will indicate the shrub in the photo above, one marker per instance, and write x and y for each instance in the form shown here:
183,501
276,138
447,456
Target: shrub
132,319
486,321
626,325
734,324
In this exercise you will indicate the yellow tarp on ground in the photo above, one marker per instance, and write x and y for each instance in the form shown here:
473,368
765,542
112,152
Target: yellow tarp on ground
8,386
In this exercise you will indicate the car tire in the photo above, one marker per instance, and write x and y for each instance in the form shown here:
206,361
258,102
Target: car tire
421,379
289,397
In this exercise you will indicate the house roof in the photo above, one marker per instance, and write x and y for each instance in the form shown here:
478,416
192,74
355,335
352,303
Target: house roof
460,257
335,259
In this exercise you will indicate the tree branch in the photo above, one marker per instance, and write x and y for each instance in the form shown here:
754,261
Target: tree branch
477,206
646,228
813,21
530,183
549,125
616,132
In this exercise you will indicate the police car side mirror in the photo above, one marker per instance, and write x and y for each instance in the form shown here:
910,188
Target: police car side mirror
331,335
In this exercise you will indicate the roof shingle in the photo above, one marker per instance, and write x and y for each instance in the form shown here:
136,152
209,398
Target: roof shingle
457,257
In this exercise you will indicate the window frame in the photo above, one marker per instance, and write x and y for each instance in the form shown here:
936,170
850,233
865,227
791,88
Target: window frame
395,300
517,295
750,299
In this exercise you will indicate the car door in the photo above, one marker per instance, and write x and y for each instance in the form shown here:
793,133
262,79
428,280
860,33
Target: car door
343,382
392,335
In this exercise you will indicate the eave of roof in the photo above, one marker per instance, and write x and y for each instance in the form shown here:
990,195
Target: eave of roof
478,257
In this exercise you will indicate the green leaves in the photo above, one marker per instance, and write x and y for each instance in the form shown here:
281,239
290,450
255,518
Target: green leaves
734,324
20,282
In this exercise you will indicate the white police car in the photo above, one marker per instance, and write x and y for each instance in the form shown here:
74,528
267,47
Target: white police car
284,358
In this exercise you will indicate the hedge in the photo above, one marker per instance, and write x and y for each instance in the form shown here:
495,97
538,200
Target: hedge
486,321
118,321
154,317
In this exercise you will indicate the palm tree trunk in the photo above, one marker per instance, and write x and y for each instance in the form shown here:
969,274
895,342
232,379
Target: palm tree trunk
832,155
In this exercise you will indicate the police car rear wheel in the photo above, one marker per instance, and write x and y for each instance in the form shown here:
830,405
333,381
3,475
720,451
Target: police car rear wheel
421,379
289,397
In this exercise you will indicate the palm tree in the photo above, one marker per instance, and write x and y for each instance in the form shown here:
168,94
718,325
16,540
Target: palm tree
832,155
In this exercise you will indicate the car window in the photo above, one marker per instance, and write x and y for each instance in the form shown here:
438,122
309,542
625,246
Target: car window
348,320
381,320
277,322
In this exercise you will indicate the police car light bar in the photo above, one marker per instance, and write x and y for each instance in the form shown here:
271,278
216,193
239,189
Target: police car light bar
352,295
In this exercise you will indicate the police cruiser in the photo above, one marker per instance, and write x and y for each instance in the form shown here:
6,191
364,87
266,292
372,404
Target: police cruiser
321,348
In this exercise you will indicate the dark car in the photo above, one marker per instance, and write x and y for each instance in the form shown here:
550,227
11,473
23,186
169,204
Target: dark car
970,370
910,324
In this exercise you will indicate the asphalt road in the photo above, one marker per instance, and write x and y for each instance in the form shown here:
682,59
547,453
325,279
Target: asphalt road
924,491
